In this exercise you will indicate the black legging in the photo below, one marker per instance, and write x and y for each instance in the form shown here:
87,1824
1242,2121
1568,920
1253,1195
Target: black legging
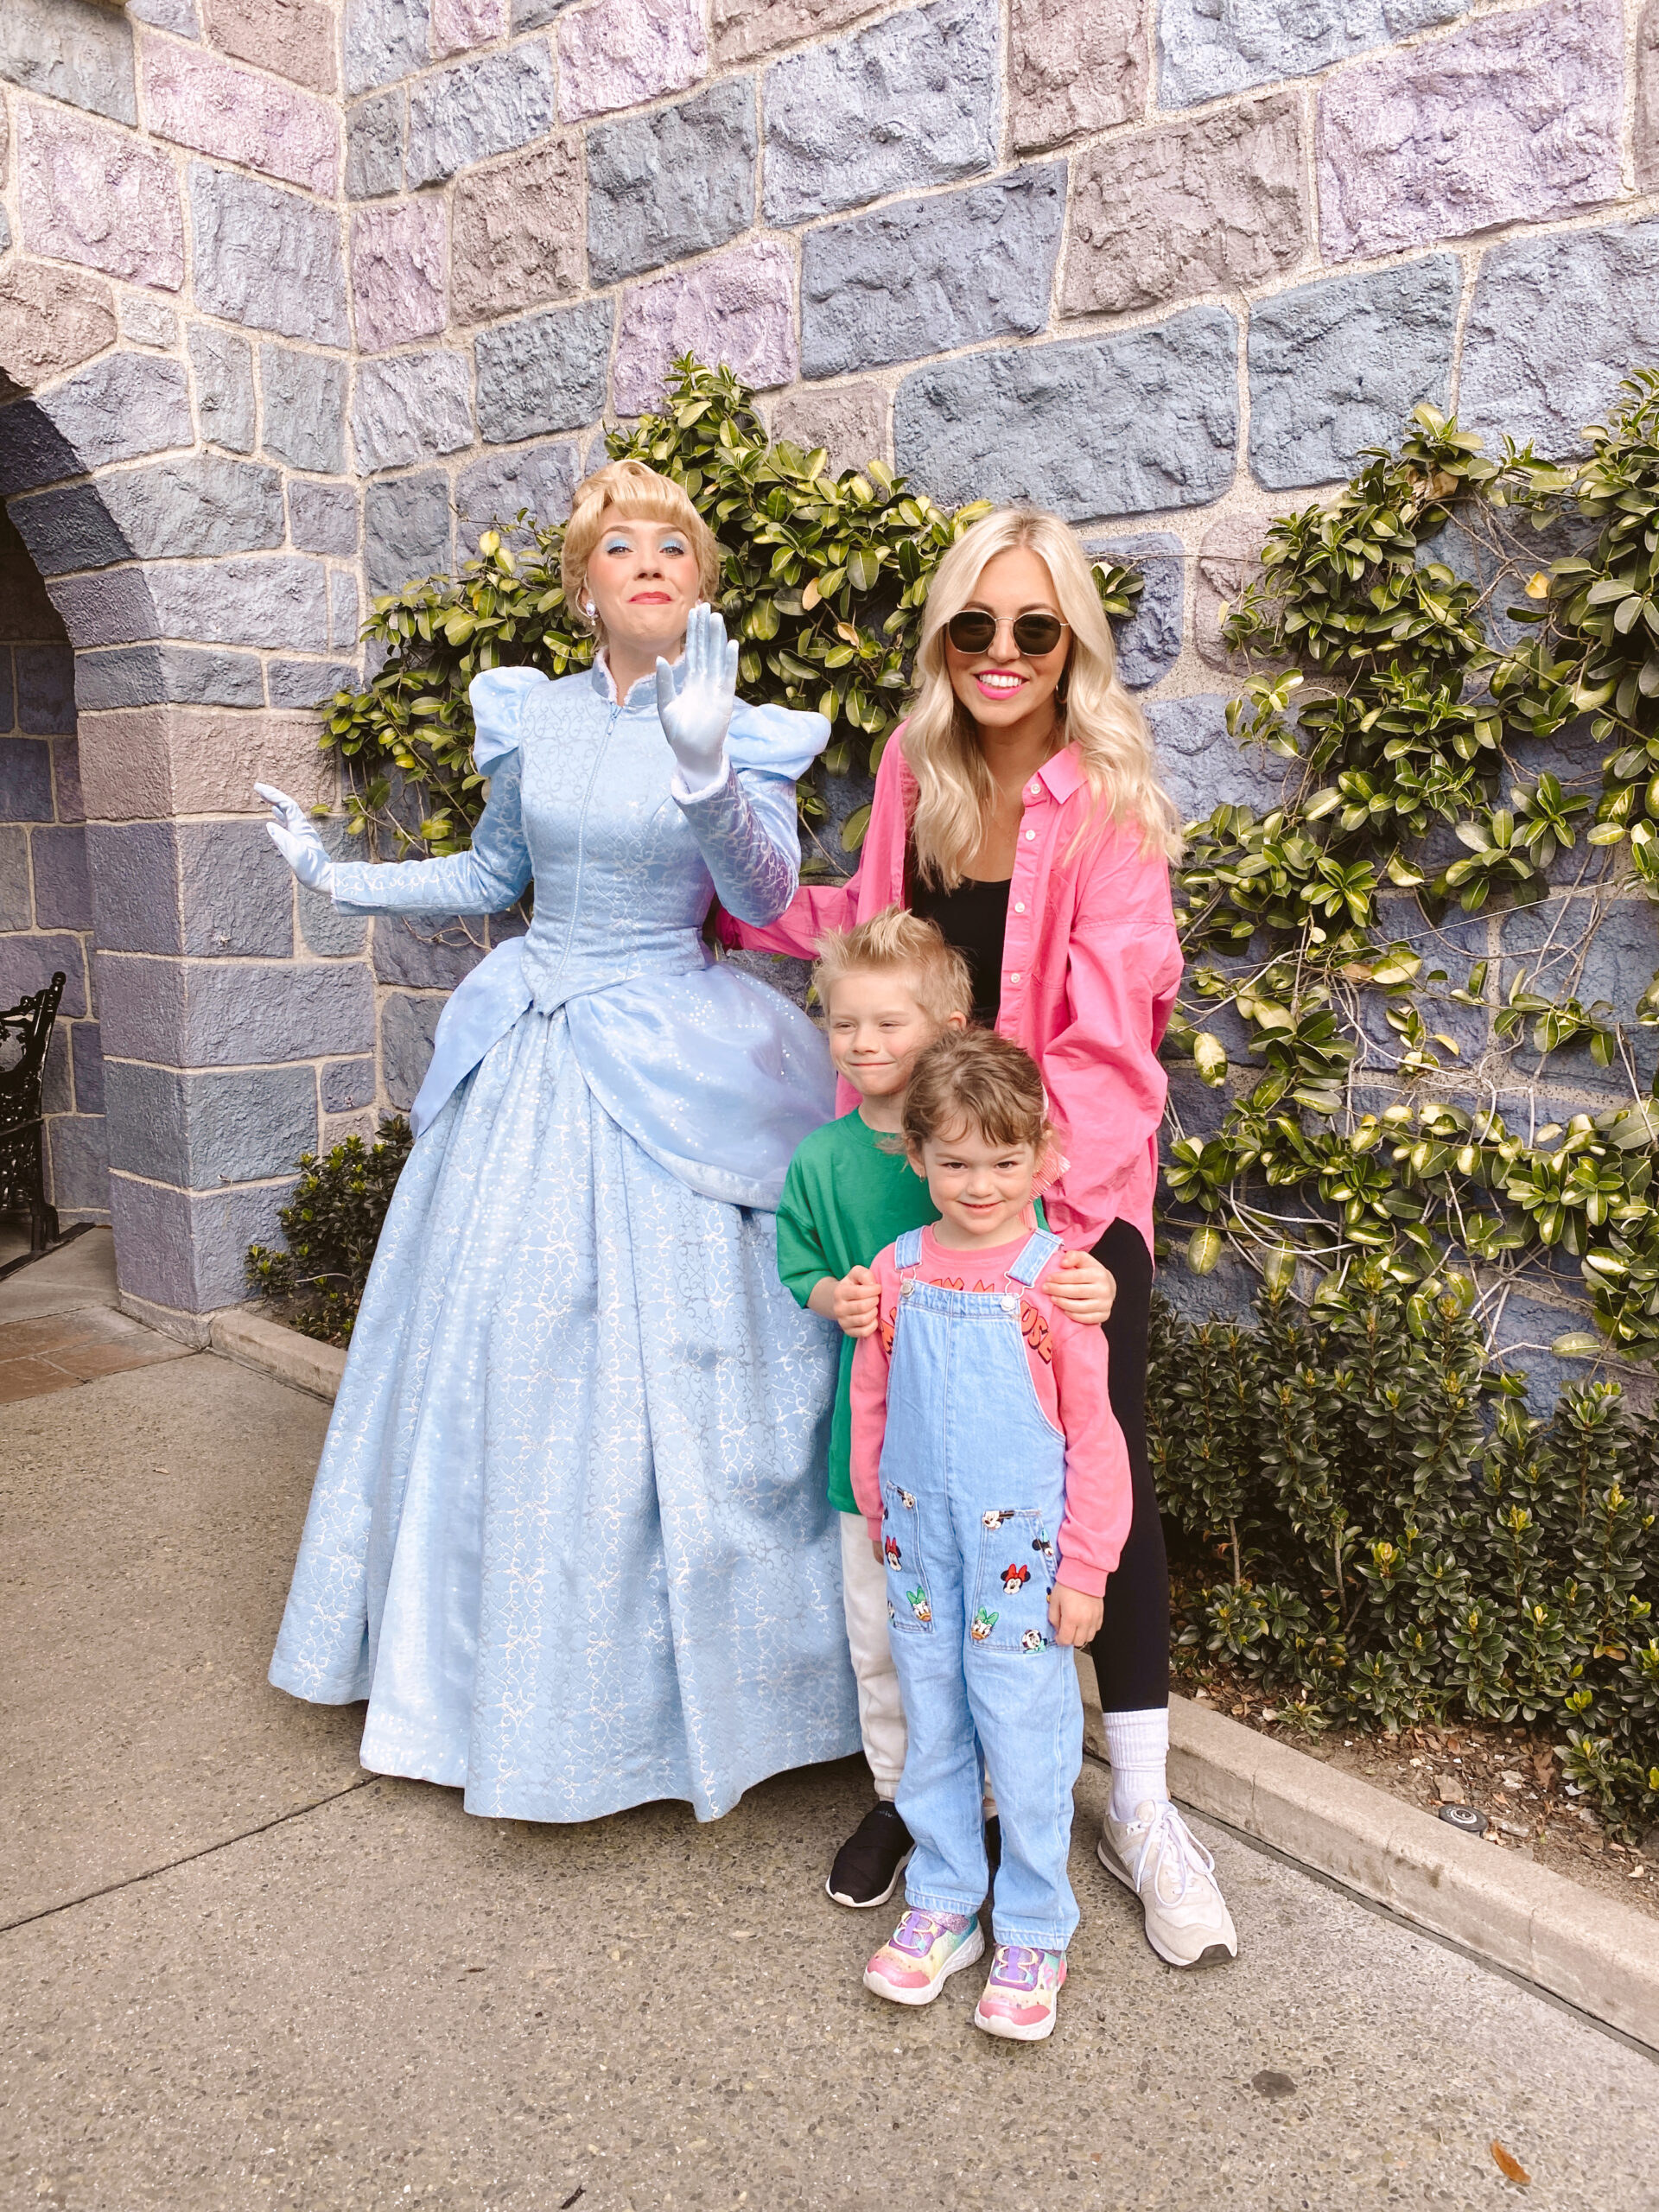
1131,1652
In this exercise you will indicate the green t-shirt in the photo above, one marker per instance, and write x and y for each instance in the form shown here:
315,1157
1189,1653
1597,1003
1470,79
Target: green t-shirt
844,1199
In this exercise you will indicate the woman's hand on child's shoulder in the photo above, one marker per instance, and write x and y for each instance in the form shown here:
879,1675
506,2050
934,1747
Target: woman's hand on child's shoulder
1084,1290
858,1302
1074,1617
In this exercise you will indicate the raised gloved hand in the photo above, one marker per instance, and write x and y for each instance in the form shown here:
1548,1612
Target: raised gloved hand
695,697
295,840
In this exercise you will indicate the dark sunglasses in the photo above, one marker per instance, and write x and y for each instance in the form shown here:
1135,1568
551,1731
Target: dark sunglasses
974,631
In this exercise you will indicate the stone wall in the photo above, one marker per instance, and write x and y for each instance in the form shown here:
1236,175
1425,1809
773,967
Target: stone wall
297,297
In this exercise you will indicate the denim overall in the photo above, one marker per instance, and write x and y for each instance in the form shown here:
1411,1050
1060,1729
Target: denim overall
973,1491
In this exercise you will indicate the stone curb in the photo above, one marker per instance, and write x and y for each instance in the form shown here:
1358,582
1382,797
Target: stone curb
242,1333
1599,1956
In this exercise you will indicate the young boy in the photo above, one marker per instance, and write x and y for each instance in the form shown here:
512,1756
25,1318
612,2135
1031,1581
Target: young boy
889,989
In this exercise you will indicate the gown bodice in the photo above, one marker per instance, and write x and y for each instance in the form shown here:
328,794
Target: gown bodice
716,1076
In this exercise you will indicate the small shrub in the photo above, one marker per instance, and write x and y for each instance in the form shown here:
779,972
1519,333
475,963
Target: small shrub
1401,1540
331,1224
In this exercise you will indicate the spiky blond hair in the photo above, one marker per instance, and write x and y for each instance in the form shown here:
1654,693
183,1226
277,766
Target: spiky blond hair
896,943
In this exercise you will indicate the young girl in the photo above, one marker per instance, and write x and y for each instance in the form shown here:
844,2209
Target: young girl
995,1484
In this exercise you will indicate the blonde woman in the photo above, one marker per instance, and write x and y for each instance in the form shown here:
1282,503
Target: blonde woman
569,1536
1019,807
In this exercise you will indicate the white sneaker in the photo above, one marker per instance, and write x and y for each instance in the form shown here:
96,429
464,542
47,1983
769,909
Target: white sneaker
1158,1856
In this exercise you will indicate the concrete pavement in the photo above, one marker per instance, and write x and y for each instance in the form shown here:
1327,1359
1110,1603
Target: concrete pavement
340,1991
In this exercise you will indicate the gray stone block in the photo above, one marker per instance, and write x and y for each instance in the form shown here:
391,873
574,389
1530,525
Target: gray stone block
406,532
342,610
17,895
1205,50
205,506
188,1251
268,259
1516,117
1337,366
233,1013
236,892
1212,203
57,1082
1553,324
518,234
69,530
330,934
63,893
143,676
924,277
299,684
1074,66
122,407
277,599
304,418
46,691
406,1028
178,17
540,478
146,321
914,100
535,15
65,774
322,517
25,781
107,608
1096,426
412,407
374,146
385,39
135,870
69,50
426,952
672,183
1149,643
224,372
79,1161
196,1131
546,372
29,963
347,1086
849,421
463,115
1202,767
86,1051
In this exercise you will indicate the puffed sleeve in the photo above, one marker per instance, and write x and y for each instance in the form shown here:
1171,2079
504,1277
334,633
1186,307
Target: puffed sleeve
492,875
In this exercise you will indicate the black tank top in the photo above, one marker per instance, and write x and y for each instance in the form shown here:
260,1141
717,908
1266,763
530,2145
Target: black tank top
974,918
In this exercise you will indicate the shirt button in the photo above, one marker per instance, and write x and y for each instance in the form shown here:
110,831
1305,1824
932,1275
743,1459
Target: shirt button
1034,789
1030,836
1018,905
1014,977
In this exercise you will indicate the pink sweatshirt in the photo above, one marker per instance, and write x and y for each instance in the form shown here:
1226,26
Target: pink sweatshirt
1091,969
1068,1367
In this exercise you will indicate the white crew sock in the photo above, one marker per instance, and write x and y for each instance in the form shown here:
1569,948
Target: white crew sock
1137,1743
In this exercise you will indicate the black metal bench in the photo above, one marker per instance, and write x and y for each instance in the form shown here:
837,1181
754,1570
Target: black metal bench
25,1034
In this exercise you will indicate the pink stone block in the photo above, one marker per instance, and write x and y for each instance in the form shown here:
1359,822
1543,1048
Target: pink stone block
738,308
198,101
98,197
460,26
617,52
399,260
1514,119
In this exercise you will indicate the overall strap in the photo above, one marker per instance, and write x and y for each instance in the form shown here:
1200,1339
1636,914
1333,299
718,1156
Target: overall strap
907,1252
1039,1250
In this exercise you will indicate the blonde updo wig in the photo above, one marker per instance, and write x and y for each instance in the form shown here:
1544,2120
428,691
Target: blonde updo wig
629,490
1096,713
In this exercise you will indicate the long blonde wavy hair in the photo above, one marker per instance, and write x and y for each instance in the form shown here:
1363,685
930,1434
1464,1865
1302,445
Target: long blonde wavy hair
1096,713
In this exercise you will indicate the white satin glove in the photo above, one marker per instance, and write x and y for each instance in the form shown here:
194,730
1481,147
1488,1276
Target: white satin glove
695,698
295,840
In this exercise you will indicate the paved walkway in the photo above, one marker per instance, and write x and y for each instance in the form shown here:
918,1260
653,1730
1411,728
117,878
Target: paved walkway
235,1971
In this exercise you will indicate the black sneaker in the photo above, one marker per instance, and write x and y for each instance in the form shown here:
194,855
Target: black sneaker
869,1863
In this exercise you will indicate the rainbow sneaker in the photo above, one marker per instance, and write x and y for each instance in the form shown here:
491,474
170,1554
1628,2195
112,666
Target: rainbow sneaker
1022,1995
921,1955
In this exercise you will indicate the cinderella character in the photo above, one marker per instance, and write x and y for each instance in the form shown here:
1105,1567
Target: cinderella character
570,1535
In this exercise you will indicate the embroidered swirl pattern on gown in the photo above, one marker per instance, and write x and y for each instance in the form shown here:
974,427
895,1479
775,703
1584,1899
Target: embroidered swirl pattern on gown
570,1535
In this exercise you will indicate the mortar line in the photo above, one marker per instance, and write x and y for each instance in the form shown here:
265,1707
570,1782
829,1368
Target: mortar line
153,1873
1396,1919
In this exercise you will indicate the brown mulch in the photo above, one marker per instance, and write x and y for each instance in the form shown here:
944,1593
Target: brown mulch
1511,1775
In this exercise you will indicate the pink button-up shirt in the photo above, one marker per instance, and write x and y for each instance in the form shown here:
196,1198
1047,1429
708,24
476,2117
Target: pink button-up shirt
1090,966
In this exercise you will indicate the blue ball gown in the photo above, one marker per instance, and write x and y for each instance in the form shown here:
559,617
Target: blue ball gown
569,1536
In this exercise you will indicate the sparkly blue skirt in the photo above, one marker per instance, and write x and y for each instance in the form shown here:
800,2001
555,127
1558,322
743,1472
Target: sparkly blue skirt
569,1536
